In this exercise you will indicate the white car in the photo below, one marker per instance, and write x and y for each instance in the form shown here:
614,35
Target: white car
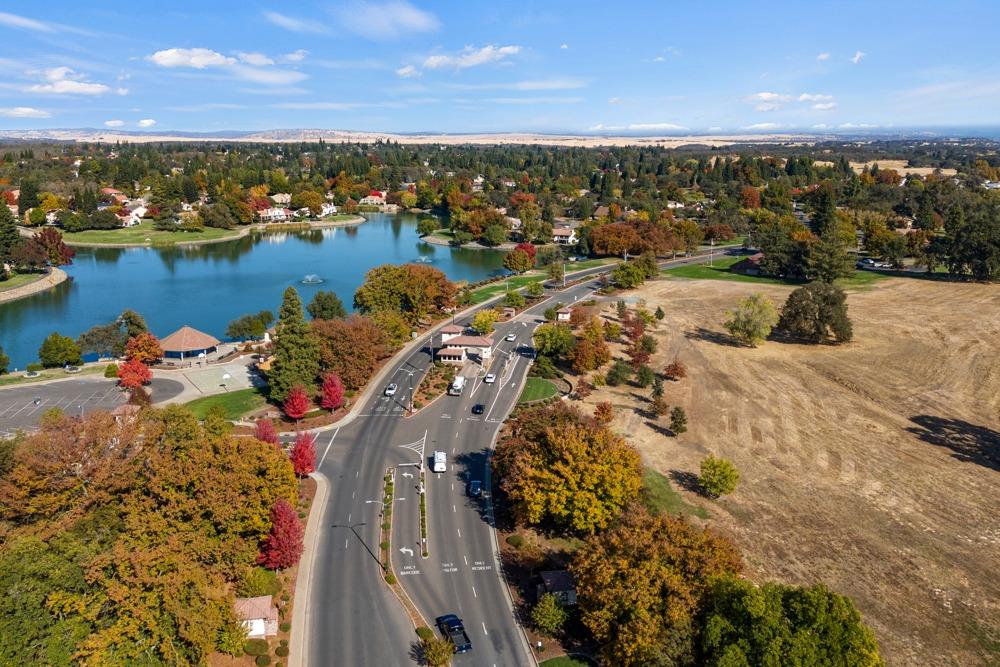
391,389
510,336
490,378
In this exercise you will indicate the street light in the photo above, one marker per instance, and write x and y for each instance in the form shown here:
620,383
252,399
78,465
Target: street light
711,252
410,374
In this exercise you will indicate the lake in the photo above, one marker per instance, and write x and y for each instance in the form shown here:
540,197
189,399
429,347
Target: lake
207,286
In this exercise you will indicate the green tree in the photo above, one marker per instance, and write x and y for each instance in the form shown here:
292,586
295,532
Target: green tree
483,321
659,313
817,312
645,376
437,652
619,374
549,615
774,624
657,387
250,327
828,260
4,361
296,354
9,236
133,323
494,235
752,319
719,476
326,305
514,300
678,421
58,350
556,272
628,275
554,340
535,290
427,225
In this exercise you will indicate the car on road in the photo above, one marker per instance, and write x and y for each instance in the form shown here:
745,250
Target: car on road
490,378
511,336
453,629
440,462
478,409
474,488
391,389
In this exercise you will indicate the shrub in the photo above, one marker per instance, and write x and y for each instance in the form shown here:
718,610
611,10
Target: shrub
257,581
619,373
678,420
285,627
752,320
549,615
35,367
262,660
390,579
675,370
111,371
425,633
599,380
255,647
645,376
516,541
438,652
718,476
281,651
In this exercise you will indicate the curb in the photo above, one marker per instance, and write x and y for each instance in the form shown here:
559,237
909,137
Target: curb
303,590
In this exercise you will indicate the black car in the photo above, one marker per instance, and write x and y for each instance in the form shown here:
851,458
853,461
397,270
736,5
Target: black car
452,628
474,488
478,409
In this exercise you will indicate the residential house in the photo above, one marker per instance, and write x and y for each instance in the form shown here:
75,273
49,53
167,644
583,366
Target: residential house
992,185
328,209
674,204
564,236
281,199
303,212
748,266
508,183
514,224
560,584
259,616
274,214
601,212
373,198
477,183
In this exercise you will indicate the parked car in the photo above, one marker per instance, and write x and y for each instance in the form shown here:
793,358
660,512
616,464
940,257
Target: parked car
453,629
511,336
490,378
478,409
391,389
474,488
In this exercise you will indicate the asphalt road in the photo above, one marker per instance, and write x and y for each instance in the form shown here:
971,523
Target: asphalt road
353,617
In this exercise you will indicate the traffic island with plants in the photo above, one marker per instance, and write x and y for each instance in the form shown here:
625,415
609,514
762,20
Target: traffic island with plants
423,515
433,384
385,551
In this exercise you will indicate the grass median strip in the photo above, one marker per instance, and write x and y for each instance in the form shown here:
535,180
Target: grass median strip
536,389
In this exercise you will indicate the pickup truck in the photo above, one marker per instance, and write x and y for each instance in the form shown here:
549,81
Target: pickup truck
452,628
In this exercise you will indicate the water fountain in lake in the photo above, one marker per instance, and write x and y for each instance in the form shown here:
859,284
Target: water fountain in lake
312,279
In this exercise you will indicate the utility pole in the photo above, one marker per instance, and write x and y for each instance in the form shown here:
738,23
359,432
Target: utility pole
711,252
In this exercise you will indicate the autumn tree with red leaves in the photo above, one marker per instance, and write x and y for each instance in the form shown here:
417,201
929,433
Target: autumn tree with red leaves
57,252
604,413
133,374
303,455
297,403
145,347
265,432
282,547
528,249
333,392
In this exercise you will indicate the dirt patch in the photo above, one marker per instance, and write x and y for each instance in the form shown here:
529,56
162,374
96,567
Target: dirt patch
872,467
900,166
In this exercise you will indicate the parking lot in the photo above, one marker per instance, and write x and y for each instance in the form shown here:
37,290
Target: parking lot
21,407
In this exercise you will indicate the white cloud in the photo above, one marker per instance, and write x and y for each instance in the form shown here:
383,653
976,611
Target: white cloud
762,126
114,123
147,122
23,112
659,59
268,76
815,97
472,57
386,20
615,100
715,128
769,97
121,91
293,24
823,56
255,59
767,106
197,58
296,56
564,46
858,55
531,84
534,100
408,71
65,81
638,127
15,21
210,106
824,106
856,126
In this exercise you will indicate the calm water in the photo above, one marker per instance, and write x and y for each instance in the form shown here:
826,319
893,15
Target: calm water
207,286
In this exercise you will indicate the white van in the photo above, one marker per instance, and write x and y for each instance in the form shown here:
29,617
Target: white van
440,462
457,385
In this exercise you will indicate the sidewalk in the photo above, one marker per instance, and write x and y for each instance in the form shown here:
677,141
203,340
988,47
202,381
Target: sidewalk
302,611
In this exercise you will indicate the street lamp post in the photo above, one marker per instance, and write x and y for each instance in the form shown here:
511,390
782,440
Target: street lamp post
711,252
410,408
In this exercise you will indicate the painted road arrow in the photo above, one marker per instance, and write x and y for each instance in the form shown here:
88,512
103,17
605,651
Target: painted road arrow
406,550
407,474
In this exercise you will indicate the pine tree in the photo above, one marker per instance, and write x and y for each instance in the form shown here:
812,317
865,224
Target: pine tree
9,238
296,355
282,548
303,455
678,420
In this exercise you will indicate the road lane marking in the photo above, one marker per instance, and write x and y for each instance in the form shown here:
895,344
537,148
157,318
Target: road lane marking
349,518
459,531
328,445
484,628
345,543
474,592
453,509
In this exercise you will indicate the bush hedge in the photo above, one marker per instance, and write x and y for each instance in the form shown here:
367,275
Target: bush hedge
255,647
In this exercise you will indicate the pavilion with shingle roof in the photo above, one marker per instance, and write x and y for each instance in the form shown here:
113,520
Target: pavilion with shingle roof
188,342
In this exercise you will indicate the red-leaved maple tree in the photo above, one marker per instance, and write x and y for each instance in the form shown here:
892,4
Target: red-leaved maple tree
297,403
265,432
333,392
303,454
133,374
282,547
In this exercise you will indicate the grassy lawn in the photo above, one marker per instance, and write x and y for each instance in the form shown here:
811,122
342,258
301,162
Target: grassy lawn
143,231
515,282
720,271
337,217
235,403
659,496
566,661
48,374
736,240
536,389
19,279
589,264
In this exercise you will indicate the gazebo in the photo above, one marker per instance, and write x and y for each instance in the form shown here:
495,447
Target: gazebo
188,342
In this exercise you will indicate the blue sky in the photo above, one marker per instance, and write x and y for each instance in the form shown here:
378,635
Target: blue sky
552,66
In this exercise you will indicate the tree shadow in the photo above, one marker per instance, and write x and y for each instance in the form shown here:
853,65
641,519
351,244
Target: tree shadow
417,652
472,466
710,336
687,481
654,425
968,442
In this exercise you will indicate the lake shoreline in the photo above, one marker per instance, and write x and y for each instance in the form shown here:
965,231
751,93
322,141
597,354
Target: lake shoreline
54,276
240,233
